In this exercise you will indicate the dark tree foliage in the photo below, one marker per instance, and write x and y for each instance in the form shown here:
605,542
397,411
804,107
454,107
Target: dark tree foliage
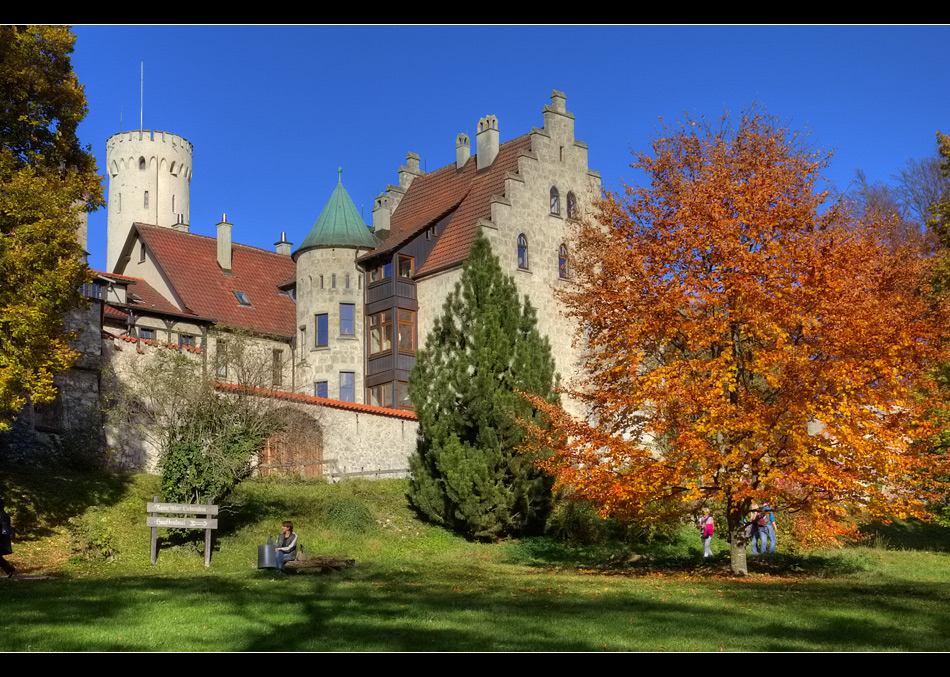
483,351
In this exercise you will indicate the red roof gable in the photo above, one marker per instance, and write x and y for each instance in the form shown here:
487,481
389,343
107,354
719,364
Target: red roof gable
190,263
466,194
140,295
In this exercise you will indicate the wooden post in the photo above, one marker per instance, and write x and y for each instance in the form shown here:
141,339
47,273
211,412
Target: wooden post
208,543
154,547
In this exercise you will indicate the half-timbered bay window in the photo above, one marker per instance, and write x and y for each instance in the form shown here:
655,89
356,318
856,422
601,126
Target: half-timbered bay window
381,332
407,331
403,396
381,395
405,266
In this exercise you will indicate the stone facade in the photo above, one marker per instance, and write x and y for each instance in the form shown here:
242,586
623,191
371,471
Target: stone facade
343,316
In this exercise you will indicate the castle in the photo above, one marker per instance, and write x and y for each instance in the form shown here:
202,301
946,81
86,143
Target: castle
338,320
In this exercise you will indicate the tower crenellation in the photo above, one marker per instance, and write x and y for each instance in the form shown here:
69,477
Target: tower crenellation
149,182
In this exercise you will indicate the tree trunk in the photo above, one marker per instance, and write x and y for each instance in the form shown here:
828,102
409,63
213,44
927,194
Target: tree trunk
737,541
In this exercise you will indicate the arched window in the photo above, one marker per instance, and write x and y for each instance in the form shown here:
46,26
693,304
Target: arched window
562,266
555,201
522,252
571,206
141,164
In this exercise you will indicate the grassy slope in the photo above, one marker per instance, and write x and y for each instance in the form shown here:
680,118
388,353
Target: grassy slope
417,587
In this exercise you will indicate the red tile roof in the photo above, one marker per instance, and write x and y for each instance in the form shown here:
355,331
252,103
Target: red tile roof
190,263
466,194
309,399
141,295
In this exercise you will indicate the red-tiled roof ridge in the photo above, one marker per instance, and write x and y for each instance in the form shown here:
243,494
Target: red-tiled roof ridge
466,192
323,401
209,237
455,242
190,264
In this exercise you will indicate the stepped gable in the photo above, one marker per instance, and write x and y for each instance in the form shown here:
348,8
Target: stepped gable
339,225
465,194
190,263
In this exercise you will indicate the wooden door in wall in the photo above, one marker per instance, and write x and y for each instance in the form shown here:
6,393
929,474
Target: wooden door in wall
296,450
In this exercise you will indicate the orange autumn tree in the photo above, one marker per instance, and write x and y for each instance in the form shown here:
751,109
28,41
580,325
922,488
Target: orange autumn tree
747,343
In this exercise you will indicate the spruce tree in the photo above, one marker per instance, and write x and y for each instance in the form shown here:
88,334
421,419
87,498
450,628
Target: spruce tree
482,352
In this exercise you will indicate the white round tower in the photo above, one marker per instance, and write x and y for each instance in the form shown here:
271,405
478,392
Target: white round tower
149,182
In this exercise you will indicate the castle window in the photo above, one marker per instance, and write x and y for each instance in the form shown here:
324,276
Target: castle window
141,164
562,268
380,273
322,336
320,389
347,386
146,199
347,319
303,337
321,282
277,367
242,298
571,206
407,331
380,332
403,396
333,281
347,282
522,252
381,396
555,201
221,359
405,266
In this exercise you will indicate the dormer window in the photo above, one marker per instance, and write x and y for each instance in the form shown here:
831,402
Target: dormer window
242,298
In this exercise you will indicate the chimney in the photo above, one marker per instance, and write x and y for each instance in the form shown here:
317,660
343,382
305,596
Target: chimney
180,224
486,141
381,214
283,247
463,150
224,244
410,170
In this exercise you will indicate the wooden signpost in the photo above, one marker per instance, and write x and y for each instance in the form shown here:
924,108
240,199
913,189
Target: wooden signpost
202,520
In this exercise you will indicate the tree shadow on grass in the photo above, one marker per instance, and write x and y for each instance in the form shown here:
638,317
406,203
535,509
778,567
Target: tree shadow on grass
40,501
619,559
379,610
908,535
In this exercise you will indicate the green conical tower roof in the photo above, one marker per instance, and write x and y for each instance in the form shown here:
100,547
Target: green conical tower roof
339,225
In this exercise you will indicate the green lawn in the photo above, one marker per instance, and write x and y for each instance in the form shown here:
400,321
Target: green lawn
416,587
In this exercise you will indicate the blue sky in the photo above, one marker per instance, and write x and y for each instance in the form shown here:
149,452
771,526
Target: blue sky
273,111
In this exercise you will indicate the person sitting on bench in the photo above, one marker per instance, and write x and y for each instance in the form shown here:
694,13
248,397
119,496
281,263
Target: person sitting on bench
286,545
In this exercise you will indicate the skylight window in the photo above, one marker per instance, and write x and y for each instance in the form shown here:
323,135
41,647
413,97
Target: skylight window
242,298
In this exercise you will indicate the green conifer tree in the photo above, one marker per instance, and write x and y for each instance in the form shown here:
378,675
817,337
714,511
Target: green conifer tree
482,352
